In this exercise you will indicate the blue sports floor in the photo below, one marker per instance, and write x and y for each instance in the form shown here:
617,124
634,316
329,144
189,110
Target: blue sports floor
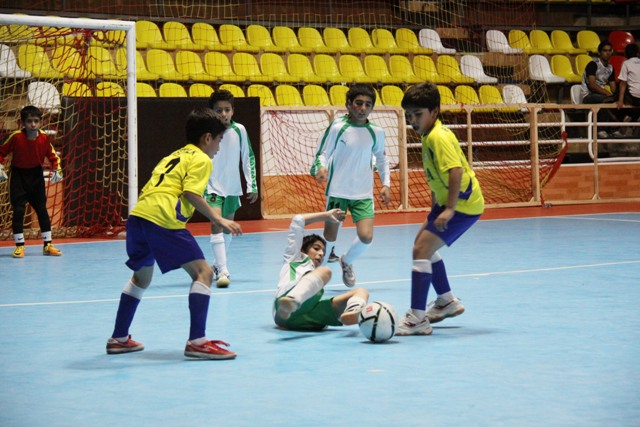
551,337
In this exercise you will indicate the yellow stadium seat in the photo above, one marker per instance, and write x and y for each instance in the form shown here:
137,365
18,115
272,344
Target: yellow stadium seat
407,39
235,90
425,69
286,38
561,40
272,65
142,72
338,95
264,93
401,69
311,38
391,95
9,64
539,69
491,95
518,39
148,35
177,33
188,63
287,95
102,65
68,61
360,39
35,60
23,33
448,66
327,69
55,36
448,100
145,90
561,66
588,40
5,33
109,90
217,64
200,90
300,67
540,41
159,62
109,39
76,89
351,66
383,39
245,64
335,38
376,67
172,90
259,36
315,96
581,63
204,34
232,35
466,95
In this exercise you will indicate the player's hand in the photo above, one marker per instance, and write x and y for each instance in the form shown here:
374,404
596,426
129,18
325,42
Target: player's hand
385,195
55,176
252,197
3,174
336,216
231,226
441,223
321,175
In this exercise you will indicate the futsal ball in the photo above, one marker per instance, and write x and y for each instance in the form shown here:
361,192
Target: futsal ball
378,321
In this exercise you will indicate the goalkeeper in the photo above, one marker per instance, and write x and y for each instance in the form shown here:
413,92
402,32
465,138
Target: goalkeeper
29,148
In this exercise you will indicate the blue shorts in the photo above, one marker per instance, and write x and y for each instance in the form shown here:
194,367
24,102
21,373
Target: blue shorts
455,228
148,242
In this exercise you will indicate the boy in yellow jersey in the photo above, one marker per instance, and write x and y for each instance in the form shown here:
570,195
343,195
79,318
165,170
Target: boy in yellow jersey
156,232
457,203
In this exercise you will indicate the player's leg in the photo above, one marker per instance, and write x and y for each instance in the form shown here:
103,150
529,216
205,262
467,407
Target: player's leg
331,230
362,214
18,198
446,303
216,238
308,285
228,207
349,304
38,200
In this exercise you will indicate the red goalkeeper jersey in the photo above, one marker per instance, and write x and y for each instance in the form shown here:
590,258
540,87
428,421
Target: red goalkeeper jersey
29,154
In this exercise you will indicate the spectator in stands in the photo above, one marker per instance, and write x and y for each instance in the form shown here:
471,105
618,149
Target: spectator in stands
597,75
629,92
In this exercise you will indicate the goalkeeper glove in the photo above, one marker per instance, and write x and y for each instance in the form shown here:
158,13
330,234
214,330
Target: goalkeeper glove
55,176
3,174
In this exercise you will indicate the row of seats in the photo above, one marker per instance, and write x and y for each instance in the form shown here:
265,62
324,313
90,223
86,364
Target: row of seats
539,42
560,69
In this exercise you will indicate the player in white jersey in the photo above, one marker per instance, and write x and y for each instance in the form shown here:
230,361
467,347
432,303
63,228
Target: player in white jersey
224,187
298,303
344,162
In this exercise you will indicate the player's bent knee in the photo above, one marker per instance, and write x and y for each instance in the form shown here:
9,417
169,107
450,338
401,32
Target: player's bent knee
323,272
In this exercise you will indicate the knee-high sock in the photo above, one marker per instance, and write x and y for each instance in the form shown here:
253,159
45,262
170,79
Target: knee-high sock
129,300
219,251
327,252
439,279
199,296
228,237
420,281
306,287
356,249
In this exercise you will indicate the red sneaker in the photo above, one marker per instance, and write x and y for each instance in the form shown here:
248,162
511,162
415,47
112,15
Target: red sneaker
209,350
116,347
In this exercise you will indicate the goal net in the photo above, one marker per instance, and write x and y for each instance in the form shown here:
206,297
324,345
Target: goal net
74,71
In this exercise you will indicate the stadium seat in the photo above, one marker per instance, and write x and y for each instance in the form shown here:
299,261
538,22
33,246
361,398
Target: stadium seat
9,65
5,33
142,72
160,62
176,33
448,100
259,37
560,40
335,38
513,94
426,69
314,96
338,95
407,39
272,65
383,39
217,64
285,37
489,94
539,69
588,40
616,61
76,89
245,64
351,66
172,90
448,66
376,67
234,89
109,90
68,61
204,34
264,93
287,95
581,63
497,42
400,68
466,95
45,96
518,39
188,63
431,39
101,64
391,95
327,69
300,67
576,94
471,66
34,60
561,66
540,42
148,36
311,38
23,33
109,39
620,39
232,35
145,90
200,90
360,39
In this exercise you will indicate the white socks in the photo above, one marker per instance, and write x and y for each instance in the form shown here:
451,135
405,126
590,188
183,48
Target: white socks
133,290
218,245
356,250
307,287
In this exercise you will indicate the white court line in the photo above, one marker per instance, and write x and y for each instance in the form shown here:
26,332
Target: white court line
494,273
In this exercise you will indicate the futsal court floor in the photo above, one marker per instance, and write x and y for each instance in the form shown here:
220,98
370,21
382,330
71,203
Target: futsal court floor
550,336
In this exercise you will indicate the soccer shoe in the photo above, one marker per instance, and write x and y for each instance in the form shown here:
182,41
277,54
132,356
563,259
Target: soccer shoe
286,306
440,310
116,347
603,134
350,317
18,252
208,350
617,134
332,256
411,325
348,276
223,280
50,250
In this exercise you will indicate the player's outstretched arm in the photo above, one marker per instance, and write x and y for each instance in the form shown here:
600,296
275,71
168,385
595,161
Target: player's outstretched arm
333,216
201,206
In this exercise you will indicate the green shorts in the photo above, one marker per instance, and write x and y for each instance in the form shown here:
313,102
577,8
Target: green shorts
360,209
227,205
314,315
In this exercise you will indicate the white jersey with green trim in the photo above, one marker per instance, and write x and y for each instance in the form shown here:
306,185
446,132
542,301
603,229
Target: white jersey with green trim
296,263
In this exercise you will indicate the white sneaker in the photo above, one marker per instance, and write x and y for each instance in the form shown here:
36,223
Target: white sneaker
618,134
602,134
348,276
411,325
440,309
286,306
223,279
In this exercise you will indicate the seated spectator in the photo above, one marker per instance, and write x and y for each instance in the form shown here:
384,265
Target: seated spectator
629,91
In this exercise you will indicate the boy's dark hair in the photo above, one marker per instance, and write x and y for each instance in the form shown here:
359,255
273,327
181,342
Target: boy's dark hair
201,121
602,45
631,51
361,89
30,111
422,95
221,95
309,240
